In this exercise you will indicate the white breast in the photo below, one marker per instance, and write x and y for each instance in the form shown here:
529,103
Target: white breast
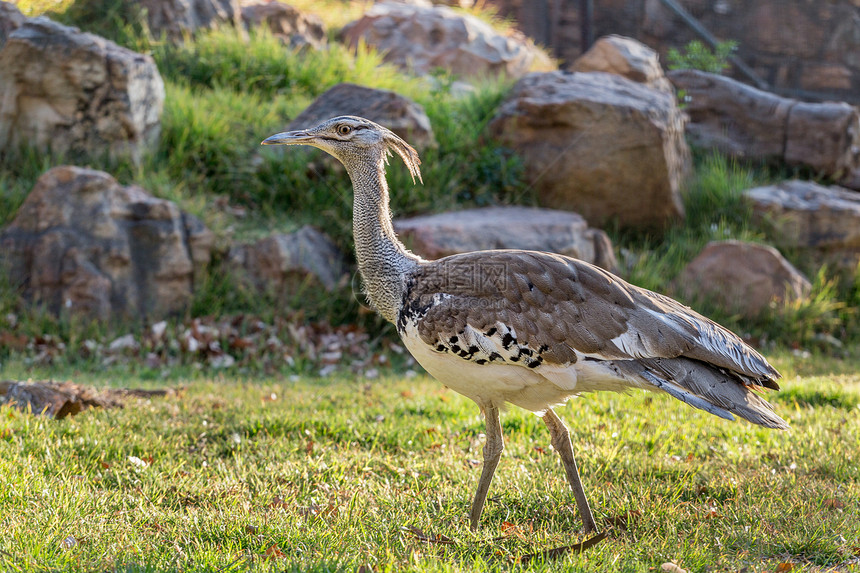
497,383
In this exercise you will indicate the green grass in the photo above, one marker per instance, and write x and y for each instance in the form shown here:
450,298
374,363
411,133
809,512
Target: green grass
326,476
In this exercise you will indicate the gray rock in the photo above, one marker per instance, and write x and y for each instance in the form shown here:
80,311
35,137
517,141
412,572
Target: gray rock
68,91
84,243
396,112
824,222
741,277
422,38
10,20
437,236
295,29
282,263
743,121
625,57
177,18
598,144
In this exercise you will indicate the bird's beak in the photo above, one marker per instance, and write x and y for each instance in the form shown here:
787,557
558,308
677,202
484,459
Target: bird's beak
301,137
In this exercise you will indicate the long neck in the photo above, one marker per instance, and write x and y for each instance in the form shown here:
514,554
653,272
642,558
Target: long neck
382,258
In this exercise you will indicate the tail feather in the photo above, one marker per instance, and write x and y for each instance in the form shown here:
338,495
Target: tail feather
706,387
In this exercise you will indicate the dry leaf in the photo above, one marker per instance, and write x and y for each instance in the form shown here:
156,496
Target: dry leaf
278,503
625,520
274,552
833,503
783,567
251,529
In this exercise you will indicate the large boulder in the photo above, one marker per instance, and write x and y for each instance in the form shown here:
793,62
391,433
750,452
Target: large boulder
73,92
422,38
10,20
743,121
282,264
83,242
294,28
176,19
396,112
598,144
625,57
437,236
823,222
741,277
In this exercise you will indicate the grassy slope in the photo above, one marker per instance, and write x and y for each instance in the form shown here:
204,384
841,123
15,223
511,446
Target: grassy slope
327,475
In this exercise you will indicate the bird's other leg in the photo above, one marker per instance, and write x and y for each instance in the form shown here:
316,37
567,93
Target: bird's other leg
492,452
561,442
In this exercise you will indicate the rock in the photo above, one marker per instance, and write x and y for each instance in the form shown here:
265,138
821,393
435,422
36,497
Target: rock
598,144
437,236
77,93
624,57
55,399
85,243
823,222
282,264
294,28
741,277
743,121
396,112
422,38
10,20
177,18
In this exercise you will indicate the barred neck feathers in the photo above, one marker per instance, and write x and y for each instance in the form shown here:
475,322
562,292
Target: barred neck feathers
382,259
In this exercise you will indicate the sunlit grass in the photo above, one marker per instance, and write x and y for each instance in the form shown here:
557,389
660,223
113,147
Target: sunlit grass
324,475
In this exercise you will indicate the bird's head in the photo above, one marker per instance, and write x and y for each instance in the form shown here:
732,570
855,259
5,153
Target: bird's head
352,140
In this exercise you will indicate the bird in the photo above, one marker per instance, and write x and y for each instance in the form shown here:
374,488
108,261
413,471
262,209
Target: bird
528,328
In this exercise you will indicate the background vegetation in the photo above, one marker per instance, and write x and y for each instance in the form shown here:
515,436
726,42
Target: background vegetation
227,91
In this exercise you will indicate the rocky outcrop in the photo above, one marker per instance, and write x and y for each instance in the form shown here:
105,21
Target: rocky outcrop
598,144
282,264
624,57
84,243
437,236
73,92
422,38
175,19
741,277
396,112
10,20
823,222
743,121
294,28
799,45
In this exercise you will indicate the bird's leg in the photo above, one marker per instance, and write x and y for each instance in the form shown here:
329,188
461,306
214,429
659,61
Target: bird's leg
492,452
561,442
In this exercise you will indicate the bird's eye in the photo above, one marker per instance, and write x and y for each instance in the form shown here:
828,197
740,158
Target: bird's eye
344,129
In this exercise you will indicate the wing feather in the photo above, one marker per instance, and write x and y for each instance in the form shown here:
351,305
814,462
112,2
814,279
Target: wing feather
560,305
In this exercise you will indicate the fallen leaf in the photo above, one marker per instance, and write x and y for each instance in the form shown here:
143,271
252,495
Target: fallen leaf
278,503
833,503
274,552
251,529
783,567
671,568
625,520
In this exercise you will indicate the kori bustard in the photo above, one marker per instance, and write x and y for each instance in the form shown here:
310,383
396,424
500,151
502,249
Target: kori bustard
530,328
